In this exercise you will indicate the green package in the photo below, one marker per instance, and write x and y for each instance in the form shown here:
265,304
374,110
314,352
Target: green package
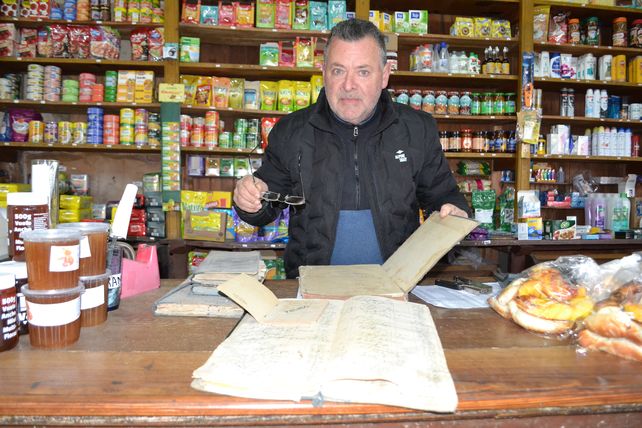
237,93
269,54
265,10
301,19
483,202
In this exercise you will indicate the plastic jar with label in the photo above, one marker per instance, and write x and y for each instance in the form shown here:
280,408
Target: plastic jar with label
8,312
453,102
465,104
19,271
25,211
620,32
428,102
593,31
441,103
466,140
478,141
391,58
574,30
635,34
444,140
402,96
415,99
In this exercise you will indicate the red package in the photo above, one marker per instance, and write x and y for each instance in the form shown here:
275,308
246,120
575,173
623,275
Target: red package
226,14
156,39
7,38
283,16
105,43
140,45
286,54
191,11
28,41
44,47
59,41
558,29
136,229
267,123
19,123
79,41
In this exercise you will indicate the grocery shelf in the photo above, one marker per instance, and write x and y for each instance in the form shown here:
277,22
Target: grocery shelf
248,71
579,49
623,88
231,112
79,147
485,155
232,245
214,34
80,65
607,159
473,119
579,10
221,151
405,39
73,107
592,121
488,81
123,27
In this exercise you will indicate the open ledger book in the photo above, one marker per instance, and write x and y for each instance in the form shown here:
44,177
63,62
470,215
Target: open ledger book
398,275
366,349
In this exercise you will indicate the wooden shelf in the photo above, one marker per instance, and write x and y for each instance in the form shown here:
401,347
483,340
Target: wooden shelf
78,107
488,81
457,118
606,159
486,155
39,22
231,112
232,245
592,121
497,8
221,151
81,65
583,49
248,71
79,147
405,39
585,9
243,36
614,87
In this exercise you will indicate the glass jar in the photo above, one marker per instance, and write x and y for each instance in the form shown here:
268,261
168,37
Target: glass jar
428,102
475,105
499,104
574,30
465,102
453,102
510,103
391,58
444,140
416,99
402,96
466,140
441,103
487,104
479,138
454,142
620,32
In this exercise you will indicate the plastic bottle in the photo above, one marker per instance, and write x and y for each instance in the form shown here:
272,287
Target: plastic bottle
596,102
589,210
614,144
443,58
599,211
621,212
611,200
560,175
595,149
604,103
588,103
628,136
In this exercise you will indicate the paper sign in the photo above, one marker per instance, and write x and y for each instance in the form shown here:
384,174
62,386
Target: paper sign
171,93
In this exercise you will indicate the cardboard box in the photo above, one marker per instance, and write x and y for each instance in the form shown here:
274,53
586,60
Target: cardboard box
418,21
400,23
204,225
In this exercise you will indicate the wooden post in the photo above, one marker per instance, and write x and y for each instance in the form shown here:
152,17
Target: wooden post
172,18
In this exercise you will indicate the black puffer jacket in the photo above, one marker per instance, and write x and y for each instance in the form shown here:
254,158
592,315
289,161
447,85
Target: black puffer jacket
404,169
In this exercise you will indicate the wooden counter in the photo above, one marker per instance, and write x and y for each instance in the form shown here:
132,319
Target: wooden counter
136,369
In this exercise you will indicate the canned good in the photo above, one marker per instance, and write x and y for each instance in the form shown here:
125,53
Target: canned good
126,134
127,116
79,133
620,32
36,131
240,125
65,132
238,140
635,34
51,133
252,141
635,111
140,135
225,140
140,116
253,126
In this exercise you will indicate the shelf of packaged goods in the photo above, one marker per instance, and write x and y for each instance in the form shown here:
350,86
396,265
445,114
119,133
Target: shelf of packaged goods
454,118
239,36
412,40
588,158
80,65
548,183
232,245
612,87
78,147
75,107
231,112
572,48
222,151
39,22
486,155
487,81
497,8
561,208
580,10
592,121
248,71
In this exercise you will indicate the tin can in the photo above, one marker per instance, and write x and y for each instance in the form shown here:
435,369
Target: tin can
240,125
126,135
225,140
185,130
238,140
65,132
36,131
211,137
127,116
635,111
140,135
79,133
140,116
212,118
254,126
620,32
251,141
563,101
51,133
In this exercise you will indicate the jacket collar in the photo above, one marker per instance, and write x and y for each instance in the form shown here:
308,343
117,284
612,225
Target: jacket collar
322,115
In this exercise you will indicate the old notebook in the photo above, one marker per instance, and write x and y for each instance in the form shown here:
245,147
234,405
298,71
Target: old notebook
366,349
398,275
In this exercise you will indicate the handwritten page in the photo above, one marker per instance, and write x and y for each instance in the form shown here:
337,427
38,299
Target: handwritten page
454,299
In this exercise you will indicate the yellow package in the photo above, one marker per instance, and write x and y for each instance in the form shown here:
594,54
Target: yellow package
500,28
269,93
385,22
126,86
375,18
540,23
73,202
237,91
286,96
219,199
463,27
302,92
203,93
144,88
482,27
618,68
304,51
316,84
73,216
190,83
11,188
220,91
635,70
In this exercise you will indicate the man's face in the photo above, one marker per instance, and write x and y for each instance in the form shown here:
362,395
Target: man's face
353,78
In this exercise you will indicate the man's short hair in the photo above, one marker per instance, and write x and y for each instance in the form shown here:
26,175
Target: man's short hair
352,30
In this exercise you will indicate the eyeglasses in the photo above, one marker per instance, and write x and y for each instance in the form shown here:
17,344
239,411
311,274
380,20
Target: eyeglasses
270,196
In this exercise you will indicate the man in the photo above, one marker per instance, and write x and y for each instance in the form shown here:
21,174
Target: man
363,164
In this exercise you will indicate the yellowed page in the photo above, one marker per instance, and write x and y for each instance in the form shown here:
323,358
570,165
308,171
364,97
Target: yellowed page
389,352
343,282
251,295
423,249
270,362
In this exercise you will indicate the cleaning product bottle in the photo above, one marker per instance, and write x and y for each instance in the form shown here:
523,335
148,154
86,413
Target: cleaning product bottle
621,213
599,211
588,103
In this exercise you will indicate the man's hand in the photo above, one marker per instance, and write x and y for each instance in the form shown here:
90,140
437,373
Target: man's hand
451,209
247,193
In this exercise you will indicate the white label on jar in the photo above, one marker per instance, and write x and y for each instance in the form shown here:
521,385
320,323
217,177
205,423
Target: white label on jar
85,249
92,297
64,258
53,314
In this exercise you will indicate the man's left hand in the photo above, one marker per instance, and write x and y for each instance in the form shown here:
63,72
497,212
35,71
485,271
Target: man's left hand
451,209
